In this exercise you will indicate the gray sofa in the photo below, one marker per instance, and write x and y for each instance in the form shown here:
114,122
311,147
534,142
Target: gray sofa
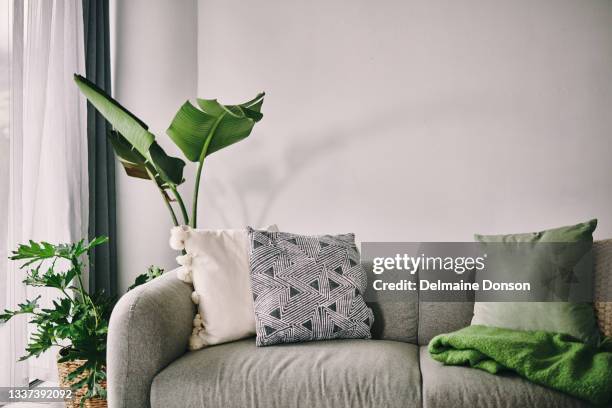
148,365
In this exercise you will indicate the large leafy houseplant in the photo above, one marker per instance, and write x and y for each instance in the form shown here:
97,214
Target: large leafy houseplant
198,131
77,321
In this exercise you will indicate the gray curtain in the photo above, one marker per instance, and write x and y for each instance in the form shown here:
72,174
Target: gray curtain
102,209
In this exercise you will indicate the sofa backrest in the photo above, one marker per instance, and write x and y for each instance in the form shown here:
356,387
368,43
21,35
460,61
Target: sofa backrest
418,321
442,317
393,320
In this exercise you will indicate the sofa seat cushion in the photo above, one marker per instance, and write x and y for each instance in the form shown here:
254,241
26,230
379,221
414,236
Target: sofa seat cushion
453,386
336,373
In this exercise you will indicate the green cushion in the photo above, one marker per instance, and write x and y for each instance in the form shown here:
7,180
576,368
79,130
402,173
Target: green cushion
572,233
576,319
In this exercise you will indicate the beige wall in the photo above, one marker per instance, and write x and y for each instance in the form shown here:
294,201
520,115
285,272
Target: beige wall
398,120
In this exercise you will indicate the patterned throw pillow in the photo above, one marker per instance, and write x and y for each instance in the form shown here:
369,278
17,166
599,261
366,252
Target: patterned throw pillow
307,288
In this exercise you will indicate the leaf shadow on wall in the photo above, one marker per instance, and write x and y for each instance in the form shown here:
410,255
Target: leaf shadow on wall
457,132
272,178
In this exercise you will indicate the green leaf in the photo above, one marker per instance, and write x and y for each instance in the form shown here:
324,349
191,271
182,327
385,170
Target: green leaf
166,168
189,130
126,123
24,308
78,371
96,241
6,315
169,169
131,140
49,279
151,273
201,132
34,250
133,162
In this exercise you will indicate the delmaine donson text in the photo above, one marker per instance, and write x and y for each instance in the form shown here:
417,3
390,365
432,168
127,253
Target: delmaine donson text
458,265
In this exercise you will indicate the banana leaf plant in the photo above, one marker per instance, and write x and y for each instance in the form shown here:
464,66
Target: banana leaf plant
198,131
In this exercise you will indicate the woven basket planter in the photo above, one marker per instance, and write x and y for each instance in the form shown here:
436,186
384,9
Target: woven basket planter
602,252
66,368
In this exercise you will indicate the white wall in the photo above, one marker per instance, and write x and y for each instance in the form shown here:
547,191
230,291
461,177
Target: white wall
155,63
412,120
398,120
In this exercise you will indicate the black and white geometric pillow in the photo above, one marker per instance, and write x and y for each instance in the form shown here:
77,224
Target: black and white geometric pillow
307,288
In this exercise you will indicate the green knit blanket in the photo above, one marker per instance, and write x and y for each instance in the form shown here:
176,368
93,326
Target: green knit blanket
553,360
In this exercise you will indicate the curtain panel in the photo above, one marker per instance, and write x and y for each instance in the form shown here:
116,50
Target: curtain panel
101,162
49,176
13,334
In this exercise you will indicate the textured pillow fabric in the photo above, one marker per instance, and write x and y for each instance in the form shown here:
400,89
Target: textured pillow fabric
575,319
307,288
572,233
217,263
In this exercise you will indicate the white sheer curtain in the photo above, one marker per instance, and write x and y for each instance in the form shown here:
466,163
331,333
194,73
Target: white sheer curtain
49,189
13,334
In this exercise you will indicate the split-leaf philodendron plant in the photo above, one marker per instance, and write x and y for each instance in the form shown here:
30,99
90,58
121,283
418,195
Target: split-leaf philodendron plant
197,131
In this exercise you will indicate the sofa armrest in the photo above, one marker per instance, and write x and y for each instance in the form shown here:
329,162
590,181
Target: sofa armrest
149,328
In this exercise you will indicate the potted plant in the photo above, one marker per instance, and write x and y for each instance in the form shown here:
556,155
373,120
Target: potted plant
77,321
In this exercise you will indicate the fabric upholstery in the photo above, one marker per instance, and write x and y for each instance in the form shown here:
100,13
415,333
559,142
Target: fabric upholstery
335,373
442,317
151,325
575,319
571,233
149,328
395,320
464,387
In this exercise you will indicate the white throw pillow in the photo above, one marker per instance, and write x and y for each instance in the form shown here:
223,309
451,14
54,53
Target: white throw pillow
217,263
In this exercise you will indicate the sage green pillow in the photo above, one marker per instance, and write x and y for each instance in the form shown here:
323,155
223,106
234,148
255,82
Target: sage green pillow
575,319
573,233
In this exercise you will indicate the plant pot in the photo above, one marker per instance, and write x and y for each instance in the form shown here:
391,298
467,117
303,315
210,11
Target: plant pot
66,368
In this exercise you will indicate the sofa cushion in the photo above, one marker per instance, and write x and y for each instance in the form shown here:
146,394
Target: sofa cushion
452,386
338,373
